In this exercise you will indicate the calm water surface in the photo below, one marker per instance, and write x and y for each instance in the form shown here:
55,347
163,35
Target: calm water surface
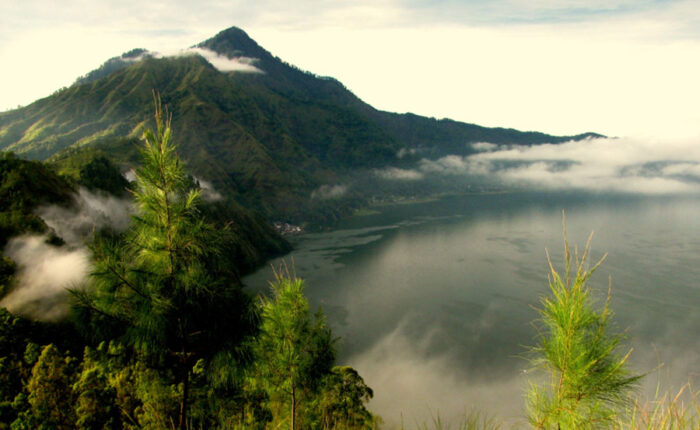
434,301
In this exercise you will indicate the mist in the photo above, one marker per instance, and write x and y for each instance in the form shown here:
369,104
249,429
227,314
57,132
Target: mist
208,192
47,271
395,173
225,64
89,212
328,192
414,381
623,165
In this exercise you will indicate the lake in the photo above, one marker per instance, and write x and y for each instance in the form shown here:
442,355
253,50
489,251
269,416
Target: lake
435,301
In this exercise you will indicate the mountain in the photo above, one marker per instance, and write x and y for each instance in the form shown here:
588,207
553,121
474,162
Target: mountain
259,130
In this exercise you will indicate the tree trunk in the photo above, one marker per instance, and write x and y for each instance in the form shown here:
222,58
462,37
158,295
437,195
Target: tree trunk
183,401
294,407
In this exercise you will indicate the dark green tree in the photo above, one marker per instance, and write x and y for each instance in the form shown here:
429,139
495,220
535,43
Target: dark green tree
102,174
341,402
293,352
96,406
15,335
50,393
162,288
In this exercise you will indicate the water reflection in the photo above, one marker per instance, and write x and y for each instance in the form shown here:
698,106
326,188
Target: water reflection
434,301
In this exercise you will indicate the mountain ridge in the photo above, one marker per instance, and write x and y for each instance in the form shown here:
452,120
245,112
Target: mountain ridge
268,138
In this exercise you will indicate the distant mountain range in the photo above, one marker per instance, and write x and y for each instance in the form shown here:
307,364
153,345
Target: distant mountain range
256,128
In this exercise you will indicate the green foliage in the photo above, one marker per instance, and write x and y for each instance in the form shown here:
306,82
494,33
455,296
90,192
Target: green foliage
162,289
341,403
101,174
25,185
589,384
14,370
164,305
96,401
50,394
294,356
292,350
7,269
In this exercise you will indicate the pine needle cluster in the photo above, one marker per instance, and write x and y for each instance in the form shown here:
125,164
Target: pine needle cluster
589,383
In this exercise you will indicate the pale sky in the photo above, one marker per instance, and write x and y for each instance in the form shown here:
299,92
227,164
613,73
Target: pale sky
618,67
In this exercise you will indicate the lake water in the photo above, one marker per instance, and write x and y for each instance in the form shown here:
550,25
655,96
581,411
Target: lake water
434,301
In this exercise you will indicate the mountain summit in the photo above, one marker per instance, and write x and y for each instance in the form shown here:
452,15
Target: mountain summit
279,139
234,42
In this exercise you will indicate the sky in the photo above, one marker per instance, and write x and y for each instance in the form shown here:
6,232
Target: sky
627,68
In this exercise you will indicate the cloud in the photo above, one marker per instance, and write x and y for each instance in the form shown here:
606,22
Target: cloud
325,192
484,146
222,63
616,165
395,173
417,382
45,272
448,165
209,194
130,175
403,152
226,64
90,212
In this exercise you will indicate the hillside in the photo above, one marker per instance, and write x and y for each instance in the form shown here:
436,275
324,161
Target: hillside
259,130
27,186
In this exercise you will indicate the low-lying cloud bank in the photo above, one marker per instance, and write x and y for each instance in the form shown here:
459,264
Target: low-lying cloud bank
603,165
46,271
620,165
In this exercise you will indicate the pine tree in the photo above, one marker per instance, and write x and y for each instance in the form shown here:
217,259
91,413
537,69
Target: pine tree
589,384
162,288
294,351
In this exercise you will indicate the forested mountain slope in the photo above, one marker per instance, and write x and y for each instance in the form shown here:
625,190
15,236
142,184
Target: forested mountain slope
261,131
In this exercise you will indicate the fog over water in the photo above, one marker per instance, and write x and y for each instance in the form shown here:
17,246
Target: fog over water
434,301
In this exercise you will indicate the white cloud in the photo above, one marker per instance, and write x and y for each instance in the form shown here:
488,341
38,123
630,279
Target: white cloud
419,382
484,146
209,194
45,272
403,152
130,175
450,164
395,173
225,64
620,165
90,212
325,192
